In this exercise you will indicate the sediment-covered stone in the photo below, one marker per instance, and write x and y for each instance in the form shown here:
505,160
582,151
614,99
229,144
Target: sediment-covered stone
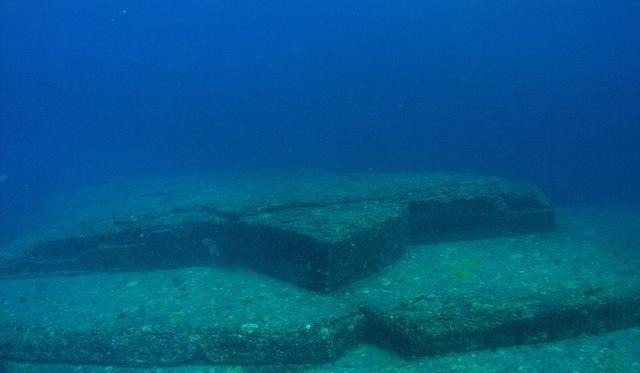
325,247
616,351
318,230
172,317
468,295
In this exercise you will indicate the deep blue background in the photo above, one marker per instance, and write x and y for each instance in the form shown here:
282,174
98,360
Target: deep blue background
544,91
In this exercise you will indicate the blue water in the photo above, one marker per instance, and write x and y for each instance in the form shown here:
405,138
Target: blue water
542,91
546,92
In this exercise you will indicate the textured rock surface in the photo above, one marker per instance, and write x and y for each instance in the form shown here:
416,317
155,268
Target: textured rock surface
489,293
317,230
441,298
325,247
617,351
172,317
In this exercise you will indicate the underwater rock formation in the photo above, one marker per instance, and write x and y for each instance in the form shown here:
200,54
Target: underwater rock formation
463,296
172,317
317,230
441,297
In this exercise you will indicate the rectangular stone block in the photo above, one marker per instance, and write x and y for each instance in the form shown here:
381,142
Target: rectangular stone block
321,248
317,230
470,295
172,317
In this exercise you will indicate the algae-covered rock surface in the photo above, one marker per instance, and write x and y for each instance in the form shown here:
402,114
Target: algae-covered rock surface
170,317
445,303
617,351
317,230
470,295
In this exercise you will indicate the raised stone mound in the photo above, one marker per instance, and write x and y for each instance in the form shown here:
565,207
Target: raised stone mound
321,231
471,295
172,317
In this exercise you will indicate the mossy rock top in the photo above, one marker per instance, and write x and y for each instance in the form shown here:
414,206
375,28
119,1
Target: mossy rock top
318,230
168,317
508,290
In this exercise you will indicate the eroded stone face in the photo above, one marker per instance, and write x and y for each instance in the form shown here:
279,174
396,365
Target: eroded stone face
489,293
320,231
137,304
172,317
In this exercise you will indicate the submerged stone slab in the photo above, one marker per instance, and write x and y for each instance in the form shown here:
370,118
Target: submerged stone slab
462,296
325,247
617,351
317,230
22,367
172,317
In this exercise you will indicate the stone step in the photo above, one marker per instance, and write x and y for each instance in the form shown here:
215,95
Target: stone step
617,351
471,295
219,316
317,230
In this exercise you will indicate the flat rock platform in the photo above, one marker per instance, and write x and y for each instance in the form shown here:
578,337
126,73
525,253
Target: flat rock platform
317,230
